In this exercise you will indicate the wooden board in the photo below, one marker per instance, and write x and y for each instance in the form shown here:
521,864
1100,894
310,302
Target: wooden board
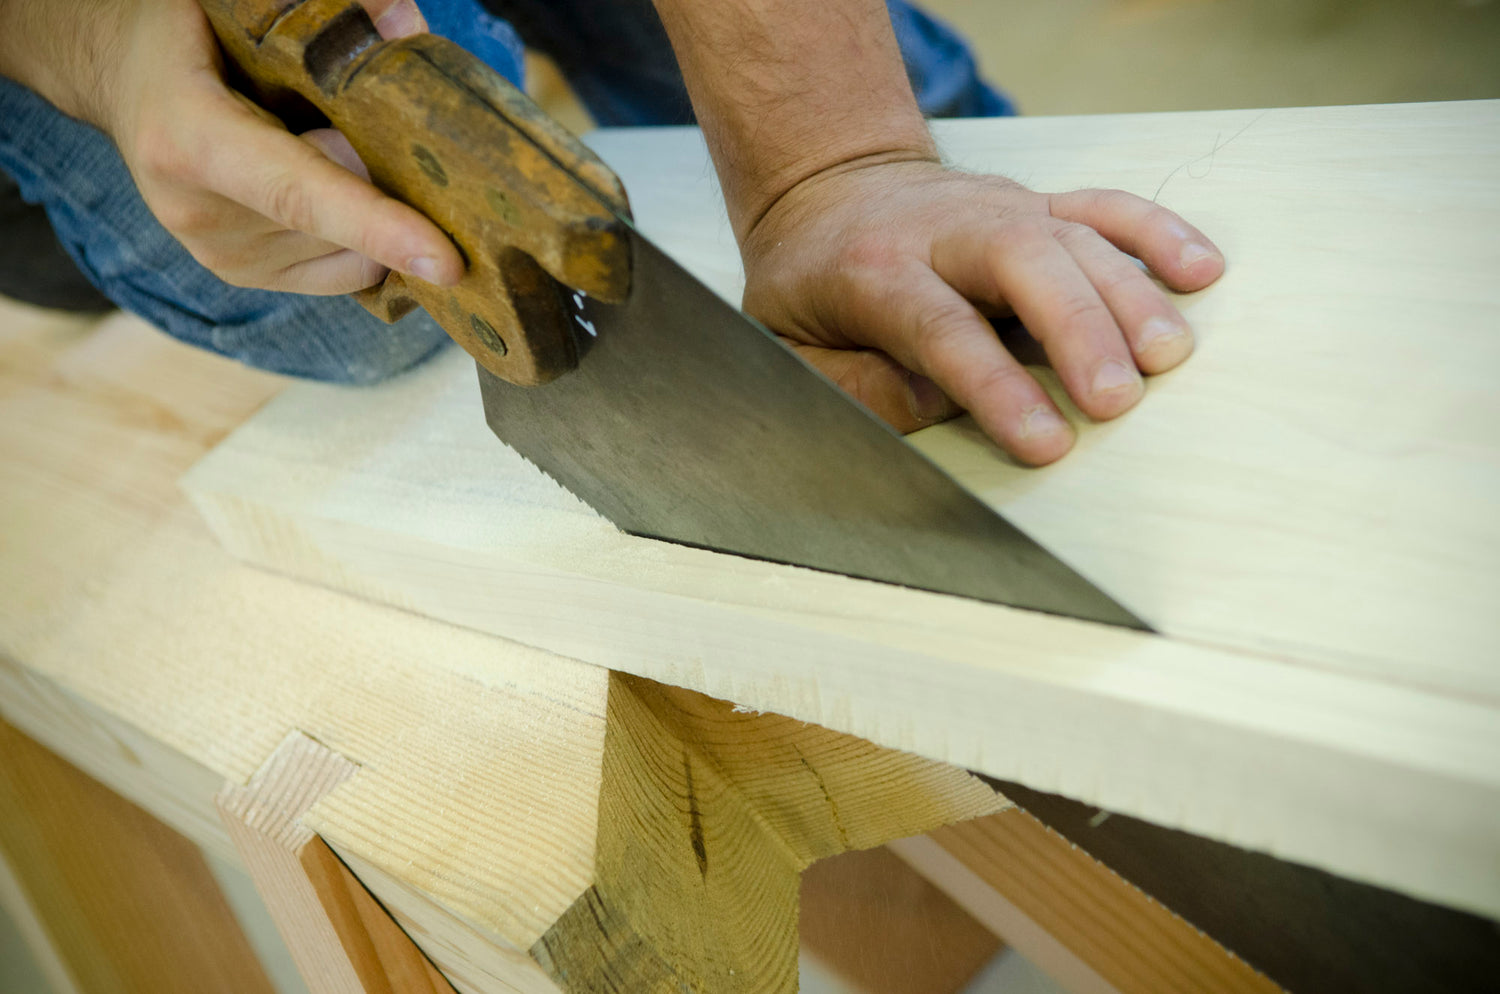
131,643
1304,509
1070,914
1339,391
341,939
110,898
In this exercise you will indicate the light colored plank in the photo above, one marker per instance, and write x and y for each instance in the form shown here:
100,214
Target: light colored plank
882,928
1304,509
1237,504
1070,914
1318,482
166,667
1330,768
158,778
342,940
122,902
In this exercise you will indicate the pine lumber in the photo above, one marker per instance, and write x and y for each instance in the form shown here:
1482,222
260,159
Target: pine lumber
132,643
700,819
1071,915
110,898
1305,510
341,939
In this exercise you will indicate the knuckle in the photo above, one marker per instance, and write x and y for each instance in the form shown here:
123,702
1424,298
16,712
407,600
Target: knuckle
998,380
1022,230
162,156
1073,234
865,256
1078,311
1114,282
938,327
287,203
1106,200
1011,241
938,324
185,217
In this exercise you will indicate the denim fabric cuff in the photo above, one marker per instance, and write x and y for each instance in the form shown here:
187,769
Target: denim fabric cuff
76,173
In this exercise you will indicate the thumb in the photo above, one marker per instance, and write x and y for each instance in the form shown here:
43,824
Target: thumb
903,399
395,18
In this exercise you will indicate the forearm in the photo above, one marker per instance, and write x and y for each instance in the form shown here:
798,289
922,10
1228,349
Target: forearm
786,89
64,50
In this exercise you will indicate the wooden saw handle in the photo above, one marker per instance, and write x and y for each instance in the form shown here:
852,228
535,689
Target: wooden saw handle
526,203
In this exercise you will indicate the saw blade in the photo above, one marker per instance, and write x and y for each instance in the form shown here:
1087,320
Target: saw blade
690,422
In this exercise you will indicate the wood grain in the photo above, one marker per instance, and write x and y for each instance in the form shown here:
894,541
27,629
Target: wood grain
707,817
1304,510
134,643
121,902
342,941
1072,915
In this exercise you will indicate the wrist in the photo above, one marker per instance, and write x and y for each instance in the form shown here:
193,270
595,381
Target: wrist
747,216
68,53
788,89
826,143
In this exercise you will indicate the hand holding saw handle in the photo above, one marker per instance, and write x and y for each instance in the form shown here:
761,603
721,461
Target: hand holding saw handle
528,206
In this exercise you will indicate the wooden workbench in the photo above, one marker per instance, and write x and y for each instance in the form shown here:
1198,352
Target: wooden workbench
468,779
140,652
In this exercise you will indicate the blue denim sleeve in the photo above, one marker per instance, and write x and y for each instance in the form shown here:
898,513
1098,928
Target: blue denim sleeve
76,173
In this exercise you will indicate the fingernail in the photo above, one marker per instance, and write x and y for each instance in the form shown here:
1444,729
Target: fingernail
1114,375
927,401
1158,332
424,267
1195,252
1041,420
399,20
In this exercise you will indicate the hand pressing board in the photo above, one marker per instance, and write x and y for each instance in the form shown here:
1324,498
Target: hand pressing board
1304,510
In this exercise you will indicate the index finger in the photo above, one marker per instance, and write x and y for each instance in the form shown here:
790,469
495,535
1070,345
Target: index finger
931,329
267,169
1179,253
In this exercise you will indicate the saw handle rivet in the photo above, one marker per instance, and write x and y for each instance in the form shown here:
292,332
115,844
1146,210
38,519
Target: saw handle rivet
487,335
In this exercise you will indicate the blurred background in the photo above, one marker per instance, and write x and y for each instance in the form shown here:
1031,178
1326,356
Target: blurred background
1111,56
1118,56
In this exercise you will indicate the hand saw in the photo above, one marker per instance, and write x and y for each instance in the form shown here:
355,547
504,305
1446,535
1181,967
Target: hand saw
605,362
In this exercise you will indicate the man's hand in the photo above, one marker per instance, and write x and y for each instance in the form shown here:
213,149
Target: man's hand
856,238
256,205
888,259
